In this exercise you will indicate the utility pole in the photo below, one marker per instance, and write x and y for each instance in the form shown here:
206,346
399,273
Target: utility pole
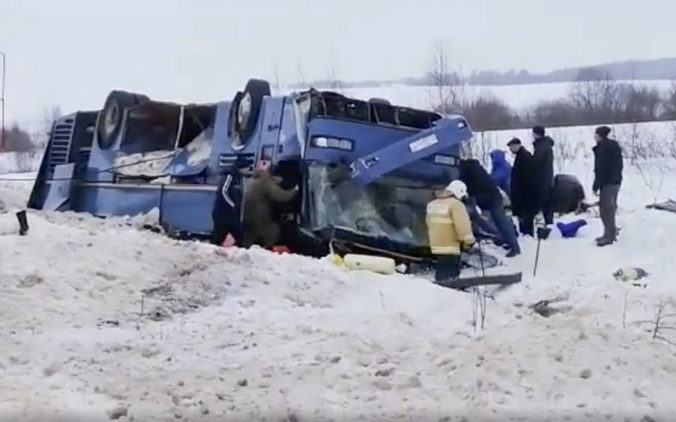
2,109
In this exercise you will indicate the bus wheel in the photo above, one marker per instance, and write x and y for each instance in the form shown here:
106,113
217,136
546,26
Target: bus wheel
249,107
110,118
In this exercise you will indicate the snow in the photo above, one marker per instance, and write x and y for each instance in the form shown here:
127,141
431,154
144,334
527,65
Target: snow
200,148
14,162
99,315
519,97
151,163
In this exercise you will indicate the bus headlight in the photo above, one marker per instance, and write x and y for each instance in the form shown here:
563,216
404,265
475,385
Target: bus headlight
333,143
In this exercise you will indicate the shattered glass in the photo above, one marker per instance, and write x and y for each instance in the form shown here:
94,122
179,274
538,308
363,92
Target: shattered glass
391,207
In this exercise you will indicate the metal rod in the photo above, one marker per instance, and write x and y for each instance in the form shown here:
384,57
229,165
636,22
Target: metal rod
537,257
2,99
481,259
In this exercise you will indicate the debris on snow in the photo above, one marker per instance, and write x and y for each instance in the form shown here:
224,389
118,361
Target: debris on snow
630,274
384,372
30,280
117,412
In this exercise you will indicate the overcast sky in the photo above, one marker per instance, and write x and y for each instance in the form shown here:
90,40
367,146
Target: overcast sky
72,52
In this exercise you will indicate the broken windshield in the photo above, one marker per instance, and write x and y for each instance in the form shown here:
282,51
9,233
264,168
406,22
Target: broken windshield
391,207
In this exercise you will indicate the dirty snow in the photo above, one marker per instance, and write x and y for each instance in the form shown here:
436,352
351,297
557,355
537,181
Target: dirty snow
152,163
200,147
103,320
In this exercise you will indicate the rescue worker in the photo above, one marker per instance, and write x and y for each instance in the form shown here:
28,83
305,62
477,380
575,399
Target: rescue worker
608,168
226,213
449,229
259,199
543,159
524,188
483,191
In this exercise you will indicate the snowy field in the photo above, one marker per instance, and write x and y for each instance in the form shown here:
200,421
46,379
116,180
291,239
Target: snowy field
102,321
519,97
29,112
18,162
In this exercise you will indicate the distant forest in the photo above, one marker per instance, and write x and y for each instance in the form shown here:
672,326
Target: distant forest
627,70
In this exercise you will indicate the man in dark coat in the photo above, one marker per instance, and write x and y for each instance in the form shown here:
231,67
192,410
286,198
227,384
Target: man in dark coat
524,187
259,200
543,157
226,213
482,189
608,168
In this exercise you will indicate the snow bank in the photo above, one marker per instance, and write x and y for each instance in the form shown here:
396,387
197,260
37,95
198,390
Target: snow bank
19,162
101,318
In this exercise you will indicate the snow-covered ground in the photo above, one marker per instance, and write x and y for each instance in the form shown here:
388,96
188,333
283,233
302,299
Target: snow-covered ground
16,162
101,319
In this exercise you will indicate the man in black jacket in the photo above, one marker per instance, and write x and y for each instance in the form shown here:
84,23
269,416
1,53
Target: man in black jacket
543,157
482,189
524,195
227,207
608,168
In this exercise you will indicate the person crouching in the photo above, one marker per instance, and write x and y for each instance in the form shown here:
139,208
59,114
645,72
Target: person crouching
449,229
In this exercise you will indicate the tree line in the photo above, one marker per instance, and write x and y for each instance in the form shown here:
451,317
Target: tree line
595,97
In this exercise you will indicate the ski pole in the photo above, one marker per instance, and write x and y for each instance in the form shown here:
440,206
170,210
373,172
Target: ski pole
537,257
481,259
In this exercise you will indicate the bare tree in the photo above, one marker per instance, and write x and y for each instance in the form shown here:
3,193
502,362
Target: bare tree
277,86
17,140
597,93
670,102
301,76
49,115
446,84
334,82
660,326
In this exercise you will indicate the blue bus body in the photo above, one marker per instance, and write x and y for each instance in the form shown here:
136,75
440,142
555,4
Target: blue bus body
169,157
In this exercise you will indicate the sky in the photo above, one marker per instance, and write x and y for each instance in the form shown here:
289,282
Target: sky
71,53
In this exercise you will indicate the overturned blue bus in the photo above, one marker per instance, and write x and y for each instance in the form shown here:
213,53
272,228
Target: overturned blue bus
366,169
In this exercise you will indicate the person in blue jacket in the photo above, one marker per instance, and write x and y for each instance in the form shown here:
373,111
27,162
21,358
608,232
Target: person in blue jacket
501,170
226,214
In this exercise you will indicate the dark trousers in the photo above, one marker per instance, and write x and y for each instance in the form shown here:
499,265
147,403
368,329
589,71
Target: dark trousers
447,268
478,220
503,224
266,237
608,210
547,206
225,222
527,225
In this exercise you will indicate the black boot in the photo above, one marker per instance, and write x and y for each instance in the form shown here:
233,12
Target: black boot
512,253
604,242
23,222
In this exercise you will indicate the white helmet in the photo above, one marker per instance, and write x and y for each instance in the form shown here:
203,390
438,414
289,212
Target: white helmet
457,188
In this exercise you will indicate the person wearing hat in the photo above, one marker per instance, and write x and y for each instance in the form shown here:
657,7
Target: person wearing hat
449,229
227,207
524,187
543,158
608,168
